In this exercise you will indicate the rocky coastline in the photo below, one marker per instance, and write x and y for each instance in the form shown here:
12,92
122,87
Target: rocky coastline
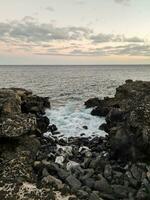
116,167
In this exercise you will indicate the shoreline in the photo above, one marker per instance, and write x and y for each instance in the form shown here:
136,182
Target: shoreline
112,167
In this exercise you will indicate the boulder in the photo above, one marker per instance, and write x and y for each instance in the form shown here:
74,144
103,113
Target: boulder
73,182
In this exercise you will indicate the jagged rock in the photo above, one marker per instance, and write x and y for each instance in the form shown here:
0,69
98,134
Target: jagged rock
19,146
35,104
100,111
129,113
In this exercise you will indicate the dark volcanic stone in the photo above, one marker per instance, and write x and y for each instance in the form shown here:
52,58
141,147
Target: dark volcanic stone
100,111
73,182
92,102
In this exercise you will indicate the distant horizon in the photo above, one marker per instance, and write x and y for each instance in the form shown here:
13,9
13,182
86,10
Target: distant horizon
75,64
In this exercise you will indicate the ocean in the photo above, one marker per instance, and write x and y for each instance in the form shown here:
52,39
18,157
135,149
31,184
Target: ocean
68,87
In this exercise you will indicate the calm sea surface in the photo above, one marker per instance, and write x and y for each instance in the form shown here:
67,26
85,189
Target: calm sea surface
68,87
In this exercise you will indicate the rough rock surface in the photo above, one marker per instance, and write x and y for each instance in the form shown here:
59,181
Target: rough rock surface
19,144
128,120
39,166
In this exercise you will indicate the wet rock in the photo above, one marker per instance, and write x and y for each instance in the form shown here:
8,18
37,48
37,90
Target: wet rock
52,128
42,123
104,127
35,104
85,127
100,111
92,103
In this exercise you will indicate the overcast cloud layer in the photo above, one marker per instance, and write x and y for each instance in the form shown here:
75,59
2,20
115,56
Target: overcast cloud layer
48,39
74,31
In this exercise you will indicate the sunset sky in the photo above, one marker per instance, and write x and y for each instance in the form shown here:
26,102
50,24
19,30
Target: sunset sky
74,31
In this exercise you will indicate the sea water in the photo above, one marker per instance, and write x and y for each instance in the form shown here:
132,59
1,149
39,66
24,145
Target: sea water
68,87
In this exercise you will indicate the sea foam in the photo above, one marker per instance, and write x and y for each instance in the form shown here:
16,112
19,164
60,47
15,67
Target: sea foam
71,118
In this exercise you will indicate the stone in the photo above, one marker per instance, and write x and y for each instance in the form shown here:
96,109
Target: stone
102,185
94,196
52,180
85,127
108,172
82,194
92,102
100,111
73,182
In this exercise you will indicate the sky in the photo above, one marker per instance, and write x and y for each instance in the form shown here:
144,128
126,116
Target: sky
74,32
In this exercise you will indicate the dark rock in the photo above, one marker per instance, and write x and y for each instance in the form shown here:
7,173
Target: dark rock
115,115
92,103
82,194
104,127
42,123
89,182
35,104
102,185
52,128
82,134
94,196
62,174
51,180
108,172
85,127
100,111
73,182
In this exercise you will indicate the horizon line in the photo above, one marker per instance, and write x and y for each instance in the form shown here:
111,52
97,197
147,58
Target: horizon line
73,64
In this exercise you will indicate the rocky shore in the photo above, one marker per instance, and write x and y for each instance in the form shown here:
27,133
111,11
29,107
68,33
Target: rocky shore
34,165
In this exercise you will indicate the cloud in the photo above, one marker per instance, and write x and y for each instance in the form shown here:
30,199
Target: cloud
120,50
102,38
132,50
30,30
51,9
29,35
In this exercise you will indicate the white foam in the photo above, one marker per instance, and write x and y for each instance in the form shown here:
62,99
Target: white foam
70,120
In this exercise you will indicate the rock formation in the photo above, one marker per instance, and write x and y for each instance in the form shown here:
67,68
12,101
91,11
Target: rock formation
19,123
127,120
41,166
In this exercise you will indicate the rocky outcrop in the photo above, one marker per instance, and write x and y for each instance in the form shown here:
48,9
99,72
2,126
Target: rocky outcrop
34,165
127,120
19,143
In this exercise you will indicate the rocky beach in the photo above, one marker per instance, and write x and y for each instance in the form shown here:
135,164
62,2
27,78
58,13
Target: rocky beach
35,165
